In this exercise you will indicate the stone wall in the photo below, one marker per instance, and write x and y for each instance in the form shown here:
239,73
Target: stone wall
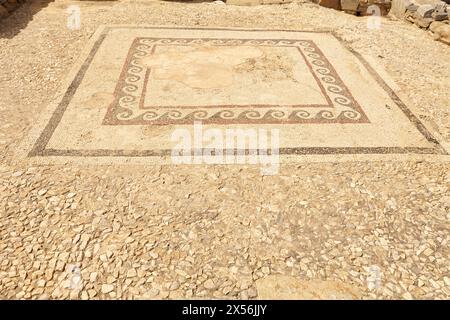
8,6
431,15
358,7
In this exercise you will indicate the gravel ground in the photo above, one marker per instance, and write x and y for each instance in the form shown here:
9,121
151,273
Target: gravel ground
177,232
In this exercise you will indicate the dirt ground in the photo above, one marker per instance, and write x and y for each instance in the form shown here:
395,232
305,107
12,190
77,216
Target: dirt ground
136,231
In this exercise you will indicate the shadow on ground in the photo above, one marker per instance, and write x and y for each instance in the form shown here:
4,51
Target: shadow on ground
19,19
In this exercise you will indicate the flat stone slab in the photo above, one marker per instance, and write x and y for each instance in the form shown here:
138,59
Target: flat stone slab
279,287
135,85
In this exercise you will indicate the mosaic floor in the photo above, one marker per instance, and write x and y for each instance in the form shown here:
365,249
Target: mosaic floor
134,85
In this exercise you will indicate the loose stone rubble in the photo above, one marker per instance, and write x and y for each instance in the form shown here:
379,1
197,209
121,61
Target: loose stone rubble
430,15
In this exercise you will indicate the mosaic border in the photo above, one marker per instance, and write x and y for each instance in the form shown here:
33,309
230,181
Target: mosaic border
39,146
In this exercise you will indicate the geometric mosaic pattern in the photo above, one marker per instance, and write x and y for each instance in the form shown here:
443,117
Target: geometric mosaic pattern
134,85
128,106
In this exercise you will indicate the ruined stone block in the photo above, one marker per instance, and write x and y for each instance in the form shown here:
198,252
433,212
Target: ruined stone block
371,7
425,11
439,16
350,6
423,22
441,31
398,8
333,4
